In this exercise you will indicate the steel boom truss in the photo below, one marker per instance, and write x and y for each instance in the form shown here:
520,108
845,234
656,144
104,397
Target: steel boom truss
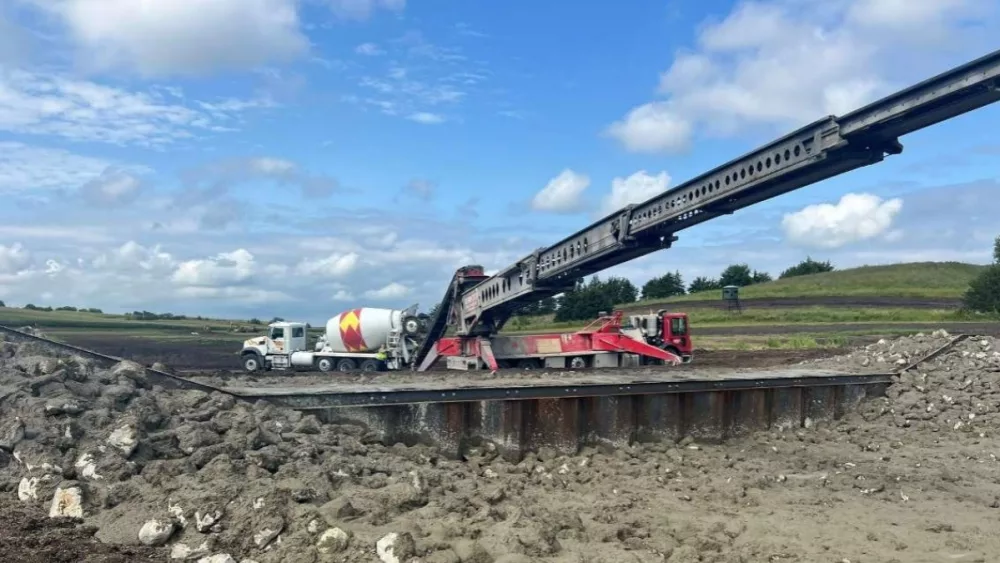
479,305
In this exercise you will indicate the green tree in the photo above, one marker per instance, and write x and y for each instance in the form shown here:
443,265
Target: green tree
983,295
664,286
760,277
586,300
702,283
2,304
809,266
736,274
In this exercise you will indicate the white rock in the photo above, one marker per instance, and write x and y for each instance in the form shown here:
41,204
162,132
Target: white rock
86,468
204,522
218,558
27,489
156,532
264,537
333,540
258,503
185,553
394,548
67,503
313,527
177,512
124,439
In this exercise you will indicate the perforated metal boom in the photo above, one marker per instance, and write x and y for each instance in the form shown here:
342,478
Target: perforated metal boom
821,150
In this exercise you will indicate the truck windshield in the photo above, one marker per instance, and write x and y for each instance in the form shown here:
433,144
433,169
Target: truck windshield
678,326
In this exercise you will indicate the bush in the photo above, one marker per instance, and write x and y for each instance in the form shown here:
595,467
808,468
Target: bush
807,267
983,295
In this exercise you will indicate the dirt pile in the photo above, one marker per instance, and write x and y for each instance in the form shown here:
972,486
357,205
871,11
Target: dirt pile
193,476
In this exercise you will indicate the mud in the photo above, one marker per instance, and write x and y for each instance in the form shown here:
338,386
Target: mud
910,477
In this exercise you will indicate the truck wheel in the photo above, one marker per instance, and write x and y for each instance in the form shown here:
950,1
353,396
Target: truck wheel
324,364
346,364
369,365
577,362
251,363
411,325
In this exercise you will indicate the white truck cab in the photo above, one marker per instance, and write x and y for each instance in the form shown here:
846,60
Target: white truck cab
273,349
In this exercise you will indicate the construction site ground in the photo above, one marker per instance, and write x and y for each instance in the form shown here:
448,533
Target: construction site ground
907,478
214,354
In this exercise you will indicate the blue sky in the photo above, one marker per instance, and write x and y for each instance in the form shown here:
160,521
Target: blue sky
296,157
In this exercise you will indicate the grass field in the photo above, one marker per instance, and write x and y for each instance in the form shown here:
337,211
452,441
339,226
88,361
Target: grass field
927,280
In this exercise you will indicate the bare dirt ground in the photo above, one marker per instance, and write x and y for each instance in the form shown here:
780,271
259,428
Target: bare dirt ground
908,478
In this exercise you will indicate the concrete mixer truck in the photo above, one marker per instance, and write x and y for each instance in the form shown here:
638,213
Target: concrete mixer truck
365,339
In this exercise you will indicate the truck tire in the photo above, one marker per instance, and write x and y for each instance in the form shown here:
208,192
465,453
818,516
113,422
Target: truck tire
411,325
324,364
346,364
252,363
370,365
577,362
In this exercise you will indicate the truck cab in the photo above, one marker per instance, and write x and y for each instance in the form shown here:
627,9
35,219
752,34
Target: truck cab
282,339
664,329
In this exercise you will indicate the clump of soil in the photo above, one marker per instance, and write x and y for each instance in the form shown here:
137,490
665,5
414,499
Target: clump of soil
201,477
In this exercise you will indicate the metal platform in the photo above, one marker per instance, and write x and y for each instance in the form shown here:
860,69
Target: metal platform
517,416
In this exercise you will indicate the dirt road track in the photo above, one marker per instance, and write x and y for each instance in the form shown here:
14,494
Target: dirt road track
213,356
990,329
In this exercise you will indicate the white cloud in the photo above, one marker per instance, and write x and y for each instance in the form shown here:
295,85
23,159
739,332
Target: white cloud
855,218
36,103
782,64
562,193
272,166
25,168
113,186
392,290
636,188
13,258
226,268
335,265
652,127
181,36
369,49
426,118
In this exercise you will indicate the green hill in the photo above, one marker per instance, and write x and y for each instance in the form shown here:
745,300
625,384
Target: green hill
930,280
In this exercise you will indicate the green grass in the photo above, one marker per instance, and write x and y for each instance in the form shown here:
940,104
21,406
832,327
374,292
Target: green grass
919,280
714,317
15,317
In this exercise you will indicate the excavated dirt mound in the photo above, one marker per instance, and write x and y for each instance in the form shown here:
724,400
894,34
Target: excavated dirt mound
909,478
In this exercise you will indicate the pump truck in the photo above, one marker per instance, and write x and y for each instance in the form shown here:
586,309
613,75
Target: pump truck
465,329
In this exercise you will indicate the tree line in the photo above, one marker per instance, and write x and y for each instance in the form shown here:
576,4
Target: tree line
587,299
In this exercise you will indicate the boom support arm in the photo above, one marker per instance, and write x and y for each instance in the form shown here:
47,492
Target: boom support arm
823,149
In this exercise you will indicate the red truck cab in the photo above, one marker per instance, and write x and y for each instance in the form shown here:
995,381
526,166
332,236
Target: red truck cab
663,329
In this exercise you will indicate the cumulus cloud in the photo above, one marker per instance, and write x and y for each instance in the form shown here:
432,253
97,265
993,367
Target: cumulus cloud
562,193
226,268
13,258
855,218
393,290
781,64
636,188
182,37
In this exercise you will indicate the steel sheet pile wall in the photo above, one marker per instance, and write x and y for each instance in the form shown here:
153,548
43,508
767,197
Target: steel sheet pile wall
567,424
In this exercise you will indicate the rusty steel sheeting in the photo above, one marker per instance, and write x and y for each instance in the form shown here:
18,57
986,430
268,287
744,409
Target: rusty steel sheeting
567,424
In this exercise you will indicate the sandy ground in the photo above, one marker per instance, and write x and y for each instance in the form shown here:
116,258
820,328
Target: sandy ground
909,478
